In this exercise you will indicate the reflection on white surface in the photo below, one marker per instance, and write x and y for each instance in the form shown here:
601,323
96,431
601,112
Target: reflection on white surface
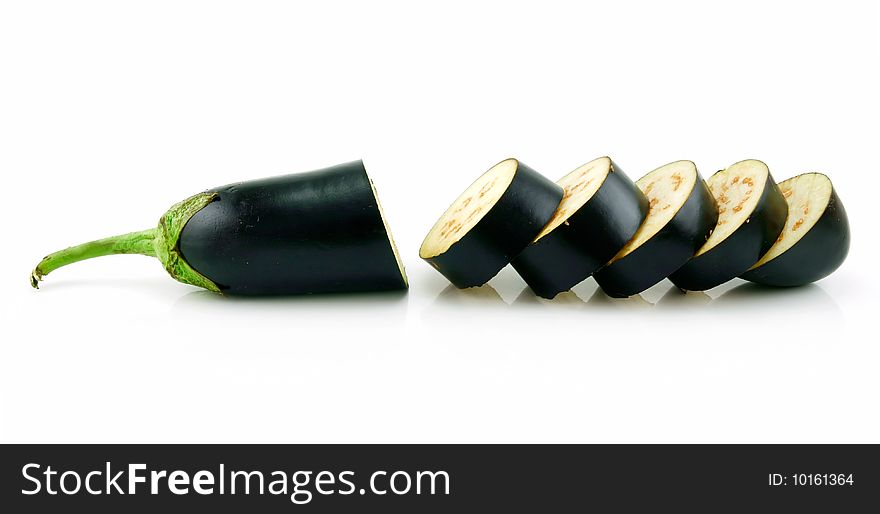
61,286
584,295
508,283
309,368
409,366
482,295
334,313
505,290
676,298
734,296
808,300
600,300
567,299
377,299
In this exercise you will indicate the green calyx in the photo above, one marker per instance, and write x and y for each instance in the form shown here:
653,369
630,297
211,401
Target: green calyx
168,234
160,242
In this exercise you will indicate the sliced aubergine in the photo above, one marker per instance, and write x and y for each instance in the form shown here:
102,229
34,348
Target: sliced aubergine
600,212
680,219
315,232
751,214
490,223
815,240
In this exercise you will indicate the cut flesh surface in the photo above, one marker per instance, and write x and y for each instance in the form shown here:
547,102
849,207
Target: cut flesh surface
579,186
737,191
388,233
807,196
667,189
468,209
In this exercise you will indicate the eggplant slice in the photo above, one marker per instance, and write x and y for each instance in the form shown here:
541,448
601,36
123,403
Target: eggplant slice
600,212
815,240
490,223
751,215
681,217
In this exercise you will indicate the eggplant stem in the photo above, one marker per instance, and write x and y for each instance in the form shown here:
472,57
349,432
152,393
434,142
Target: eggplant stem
141,243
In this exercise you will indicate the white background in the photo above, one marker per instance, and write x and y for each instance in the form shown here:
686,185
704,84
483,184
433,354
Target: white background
112,111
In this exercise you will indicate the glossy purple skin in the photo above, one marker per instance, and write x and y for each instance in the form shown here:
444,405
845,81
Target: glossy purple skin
667,251
590,237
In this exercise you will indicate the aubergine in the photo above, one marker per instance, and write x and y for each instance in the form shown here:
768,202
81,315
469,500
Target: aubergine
490,223
316,232
815,240
600,212
751,215
681,216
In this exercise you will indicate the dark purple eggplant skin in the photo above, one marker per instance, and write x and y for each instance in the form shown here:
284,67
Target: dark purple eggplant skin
815,256
504,231
742,249
667,251
590,237
315,232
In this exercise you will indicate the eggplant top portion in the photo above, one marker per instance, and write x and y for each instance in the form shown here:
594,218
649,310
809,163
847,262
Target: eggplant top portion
314,232
468,209
667,189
